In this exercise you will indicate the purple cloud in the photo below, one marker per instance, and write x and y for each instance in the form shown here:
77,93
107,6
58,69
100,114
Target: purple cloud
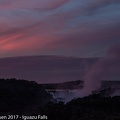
60,27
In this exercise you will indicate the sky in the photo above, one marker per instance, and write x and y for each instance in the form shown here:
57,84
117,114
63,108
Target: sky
45,69
80,28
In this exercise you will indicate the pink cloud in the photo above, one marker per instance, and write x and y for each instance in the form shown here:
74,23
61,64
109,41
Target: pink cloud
23,29
29,4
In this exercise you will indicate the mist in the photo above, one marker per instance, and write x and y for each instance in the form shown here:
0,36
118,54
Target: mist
107,66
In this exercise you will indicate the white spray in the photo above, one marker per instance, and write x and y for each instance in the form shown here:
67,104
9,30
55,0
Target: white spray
109,64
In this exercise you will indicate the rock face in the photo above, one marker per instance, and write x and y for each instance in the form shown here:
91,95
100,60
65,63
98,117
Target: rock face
69,90
64,91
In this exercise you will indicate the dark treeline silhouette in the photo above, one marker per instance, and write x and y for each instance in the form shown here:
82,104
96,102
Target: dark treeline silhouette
29,98
21,96
92,107
78,84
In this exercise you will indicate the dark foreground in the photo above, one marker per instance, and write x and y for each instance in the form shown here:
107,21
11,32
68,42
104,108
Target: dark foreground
29,98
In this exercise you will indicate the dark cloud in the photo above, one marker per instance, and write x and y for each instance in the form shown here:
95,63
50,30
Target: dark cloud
89,36
97,4
44,69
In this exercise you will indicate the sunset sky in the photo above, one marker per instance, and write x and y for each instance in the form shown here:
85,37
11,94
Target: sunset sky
80,28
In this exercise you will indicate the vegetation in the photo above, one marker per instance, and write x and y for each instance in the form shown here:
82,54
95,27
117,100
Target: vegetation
78,84
93,107
21,96
29,98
